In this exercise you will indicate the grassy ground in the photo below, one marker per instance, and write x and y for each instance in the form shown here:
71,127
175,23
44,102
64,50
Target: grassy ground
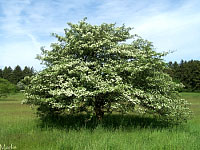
20,127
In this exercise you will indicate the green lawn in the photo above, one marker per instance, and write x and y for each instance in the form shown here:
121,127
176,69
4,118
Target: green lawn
20,127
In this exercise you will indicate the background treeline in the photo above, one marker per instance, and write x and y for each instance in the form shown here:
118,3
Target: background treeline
186,72
16,74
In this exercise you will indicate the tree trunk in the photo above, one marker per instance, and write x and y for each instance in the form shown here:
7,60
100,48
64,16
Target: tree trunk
99,105
99,113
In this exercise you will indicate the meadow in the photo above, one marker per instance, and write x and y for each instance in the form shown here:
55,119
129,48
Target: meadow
20,129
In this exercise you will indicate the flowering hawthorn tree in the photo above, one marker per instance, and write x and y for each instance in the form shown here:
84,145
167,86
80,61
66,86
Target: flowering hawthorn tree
93,69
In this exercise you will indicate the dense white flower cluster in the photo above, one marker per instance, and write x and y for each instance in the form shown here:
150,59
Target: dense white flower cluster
91,69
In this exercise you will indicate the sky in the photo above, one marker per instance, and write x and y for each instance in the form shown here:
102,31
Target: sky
26,25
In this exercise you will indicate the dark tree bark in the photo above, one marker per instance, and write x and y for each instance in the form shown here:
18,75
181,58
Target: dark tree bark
98,107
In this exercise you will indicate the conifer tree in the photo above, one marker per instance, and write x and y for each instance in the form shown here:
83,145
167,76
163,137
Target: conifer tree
28,71
7,73
17,75
1,73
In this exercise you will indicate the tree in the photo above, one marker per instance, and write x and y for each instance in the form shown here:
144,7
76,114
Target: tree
17,75
6,87
186,72
7,73
1,73
28,71
92,69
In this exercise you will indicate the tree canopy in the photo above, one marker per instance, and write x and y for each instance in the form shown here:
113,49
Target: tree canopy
16,74
7,73
186,72
93,69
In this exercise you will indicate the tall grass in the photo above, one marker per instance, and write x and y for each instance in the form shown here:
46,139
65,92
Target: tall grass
19,126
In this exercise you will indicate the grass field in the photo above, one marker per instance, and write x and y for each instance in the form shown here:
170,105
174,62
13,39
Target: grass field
21,130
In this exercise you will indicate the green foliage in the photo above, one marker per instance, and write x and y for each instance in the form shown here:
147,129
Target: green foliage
92,69
6,87
27,72
186,72
1,73
16,75
7,73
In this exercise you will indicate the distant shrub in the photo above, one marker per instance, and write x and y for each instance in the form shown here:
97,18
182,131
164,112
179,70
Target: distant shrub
6,87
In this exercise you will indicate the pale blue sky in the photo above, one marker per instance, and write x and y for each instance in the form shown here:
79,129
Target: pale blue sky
25,25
